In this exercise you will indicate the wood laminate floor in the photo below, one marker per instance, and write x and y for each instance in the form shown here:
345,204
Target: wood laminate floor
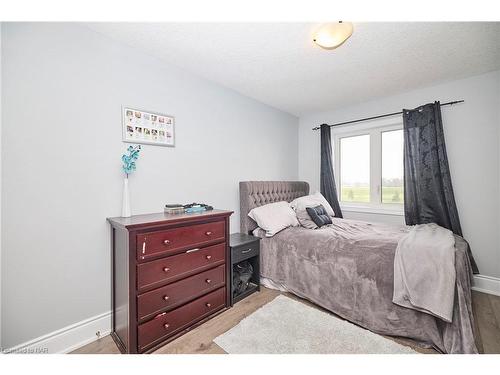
200,339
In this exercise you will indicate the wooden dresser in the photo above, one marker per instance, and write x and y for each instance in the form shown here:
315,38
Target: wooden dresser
169,273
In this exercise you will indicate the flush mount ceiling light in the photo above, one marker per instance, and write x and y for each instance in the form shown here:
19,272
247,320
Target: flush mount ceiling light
332,35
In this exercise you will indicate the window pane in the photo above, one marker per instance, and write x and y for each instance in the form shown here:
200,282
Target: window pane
355,169
392,167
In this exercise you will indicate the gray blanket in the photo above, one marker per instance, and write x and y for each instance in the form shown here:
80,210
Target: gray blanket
424,271
348,268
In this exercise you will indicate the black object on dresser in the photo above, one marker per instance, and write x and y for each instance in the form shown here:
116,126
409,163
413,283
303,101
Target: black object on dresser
170,273
245,265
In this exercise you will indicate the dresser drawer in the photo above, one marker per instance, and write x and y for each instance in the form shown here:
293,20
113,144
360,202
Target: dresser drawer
244,252
180,292
168,324
176,267
150,245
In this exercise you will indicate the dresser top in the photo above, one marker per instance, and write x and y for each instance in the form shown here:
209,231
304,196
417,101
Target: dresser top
138,221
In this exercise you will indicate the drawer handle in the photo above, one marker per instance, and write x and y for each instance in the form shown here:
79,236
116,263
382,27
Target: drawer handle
208,257
166,269
166,326
246,251
192,250
208,281
166,298
166,242
208,233
208,305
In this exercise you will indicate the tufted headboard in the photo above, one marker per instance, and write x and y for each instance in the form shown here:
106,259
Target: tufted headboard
257,193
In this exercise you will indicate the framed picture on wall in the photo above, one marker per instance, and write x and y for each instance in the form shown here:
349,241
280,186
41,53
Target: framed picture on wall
148,127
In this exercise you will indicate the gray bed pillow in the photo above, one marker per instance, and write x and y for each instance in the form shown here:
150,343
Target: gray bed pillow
305,220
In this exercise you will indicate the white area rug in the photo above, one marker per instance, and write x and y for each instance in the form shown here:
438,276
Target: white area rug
286,326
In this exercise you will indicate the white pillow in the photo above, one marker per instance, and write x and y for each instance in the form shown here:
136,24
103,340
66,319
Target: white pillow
274,217
259,232
313,200
310,201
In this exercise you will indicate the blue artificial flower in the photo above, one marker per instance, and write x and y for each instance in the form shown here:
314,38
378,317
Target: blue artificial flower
129,159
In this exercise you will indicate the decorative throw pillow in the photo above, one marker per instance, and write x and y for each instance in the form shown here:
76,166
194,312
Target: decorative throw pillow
274,217
319,216
313,200
305,220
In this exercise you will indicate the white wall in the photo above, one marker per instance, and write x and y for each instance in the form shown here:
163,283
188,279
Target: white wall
63,88
472,132
1,346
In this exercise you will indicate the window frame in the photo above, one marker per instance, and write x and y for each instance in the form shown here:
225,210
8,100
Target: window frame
374,128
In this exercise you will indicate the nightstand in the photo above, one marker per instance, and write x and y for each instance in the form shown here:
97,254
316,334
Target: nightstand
244,248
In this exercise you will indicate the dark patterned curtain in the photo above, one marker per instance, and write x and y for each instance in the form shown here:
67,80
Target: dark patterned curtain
428,192
328,188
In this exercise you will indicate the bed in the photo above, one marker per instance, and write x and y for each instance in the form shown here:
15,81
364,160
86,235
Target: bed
348,268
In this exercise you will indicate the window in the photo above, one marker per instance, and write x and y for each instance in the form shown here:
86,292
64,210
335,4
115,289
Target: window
355,168
369,167
392,166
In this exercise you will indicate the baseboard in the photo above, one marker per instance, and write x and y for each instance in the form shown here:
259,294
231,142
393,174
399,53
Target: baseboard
68,338
487,284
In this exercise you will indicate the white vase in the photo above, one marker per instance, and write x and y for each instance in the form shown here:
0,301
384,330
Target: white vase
126,199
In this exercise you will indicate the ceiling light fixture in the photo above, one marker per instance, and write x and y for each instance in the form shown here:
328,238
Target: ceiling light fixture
332,35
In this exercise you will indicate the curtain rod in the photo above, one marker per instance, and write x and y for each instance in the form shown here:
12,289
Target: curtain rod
380,116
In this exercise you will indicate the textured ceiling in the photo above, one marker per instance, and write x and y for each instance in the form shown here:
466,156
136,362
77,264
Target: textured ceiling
277,63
